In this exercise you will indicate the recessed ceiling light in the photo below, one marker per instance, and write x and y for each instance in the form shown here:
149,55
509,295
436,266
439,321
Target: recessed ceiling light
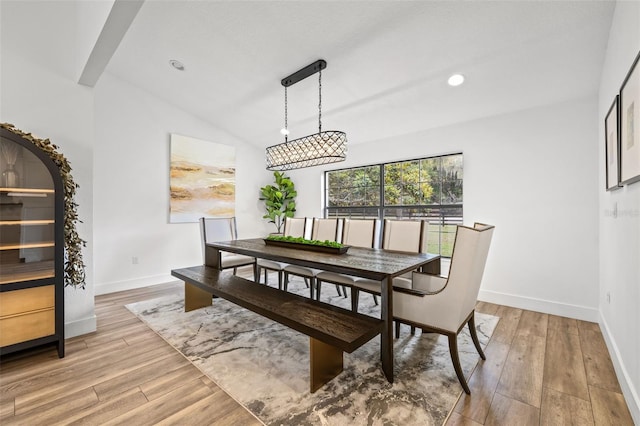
456,80
177,65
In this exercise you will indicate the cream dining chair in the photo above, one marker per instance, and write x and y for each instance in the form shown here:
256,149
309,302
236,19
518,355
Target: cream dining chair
322,229
293,227
445,305
223,229
397,235
356,233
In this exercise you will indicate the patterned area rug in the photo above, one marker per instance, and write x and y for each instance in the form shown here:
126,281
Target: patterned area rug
265,366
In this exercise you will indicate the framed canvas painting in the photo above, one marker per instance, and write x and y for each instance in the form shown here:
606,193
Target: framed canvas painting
612,147
202,179
630,126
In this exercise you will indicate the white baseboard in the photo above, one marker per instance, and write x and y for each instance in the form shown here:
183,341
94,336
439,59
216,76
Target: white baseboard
628,390
540,305
80,327
115,286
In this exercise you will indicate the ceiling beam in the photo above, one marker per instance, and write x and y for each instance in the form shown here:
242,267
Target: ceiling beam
115,27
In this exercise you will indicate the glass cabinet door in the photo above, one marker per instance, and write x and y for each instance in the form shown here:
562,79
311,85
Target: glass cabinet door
27,211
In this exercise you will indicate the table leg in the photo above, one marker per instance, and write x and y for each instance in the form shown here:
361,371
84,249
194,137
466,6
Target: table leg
195,298
432,268
386,337
212,257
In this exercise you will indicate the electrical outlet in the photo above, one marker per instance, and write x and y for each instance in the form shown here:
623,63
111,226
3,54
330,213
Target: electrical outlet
608,297
134,260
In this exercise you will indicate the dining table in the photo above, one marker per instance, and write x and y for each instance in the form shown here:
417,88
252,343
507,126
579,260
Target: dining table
372,263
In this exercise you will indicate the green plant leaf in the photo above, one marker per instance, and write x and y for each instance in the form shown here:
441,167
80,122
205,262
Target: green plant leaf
300,240
279,199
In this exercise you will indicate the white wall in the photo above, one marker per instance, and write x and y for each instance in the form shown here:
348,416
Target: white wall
531,174
131,187
39,95
620,236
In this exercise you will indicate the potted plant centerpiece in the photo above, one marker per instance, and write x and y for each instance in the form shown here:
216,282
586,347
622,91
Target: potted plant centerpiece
279,200
300,243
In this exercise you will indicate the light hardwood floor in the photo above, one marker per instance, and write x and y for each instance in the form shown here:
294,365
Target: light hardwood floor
540,370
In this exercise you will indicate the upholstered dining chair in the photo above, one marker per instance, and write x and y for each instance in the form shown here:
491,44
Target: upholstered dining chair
322,229
293,227
356,233
223,229
397,235
445,305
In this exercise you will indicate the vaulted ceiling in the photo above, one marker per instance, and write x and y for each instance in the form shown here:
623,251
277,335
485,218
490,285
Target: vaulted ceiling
388,61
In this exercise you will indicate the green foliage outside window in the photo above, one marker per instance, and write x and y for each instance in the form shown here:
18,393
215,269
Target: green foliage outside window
428,188
355,187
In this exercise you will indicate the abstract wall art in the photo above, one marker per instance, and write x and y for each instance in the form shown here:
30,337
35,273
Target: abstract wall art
202,179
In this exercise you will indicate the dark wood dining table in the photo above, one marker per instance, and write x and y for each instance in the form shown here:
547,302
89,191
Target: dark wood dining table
376,264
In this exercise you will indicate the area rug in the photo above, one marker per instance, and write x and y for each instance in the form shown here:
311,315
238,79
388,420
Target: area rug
265,366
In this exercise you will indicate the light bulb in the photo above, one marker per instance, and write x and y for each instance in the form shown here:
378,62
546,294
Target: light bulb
284,131
456,80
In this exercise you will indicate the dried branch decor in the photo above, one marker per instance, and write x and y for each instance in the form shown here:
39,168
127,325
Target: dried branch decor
74,268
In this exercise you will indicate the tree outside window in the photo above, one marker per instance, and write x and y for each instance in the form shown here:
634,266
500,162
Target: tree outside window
425,188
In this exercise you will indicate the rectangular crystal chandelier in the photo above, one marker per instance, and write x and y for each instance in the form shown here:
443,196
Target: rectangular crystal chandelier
320,148
313,150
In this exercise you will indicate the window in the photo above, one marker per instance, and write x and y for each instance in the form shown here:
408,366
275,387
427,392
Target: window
425,188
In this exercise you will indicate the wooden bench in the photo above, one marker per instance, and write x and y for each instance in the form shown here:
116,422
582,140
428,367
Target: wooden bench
332,330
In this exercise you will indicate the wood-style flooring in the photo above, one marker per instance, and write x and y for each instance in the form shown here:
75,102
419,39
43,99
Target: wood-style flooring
540,370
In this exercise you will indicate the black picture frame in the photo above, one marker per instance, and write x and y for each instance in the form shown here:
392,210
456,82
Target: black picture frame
629,111
612,146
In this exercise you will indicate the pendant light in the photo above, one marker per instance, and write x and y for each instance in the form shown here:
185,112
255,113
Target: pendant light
324,147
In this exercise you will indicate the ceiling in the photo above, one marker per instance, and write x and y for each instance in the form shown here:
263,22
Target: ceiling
387,61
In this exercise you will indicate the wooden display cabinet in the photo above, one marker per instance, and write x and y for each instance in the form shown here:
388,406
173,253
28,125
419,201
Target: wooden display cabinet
31,247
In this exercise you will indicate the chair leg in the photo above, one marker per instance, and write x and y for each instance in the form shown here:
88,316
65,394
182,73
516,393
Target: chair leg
318,288
235,271
375,299
266,276
355,295
344,291
453,350
285,283
474,336
279,280
413,330
397,325
312,284
306,282
338,290
257,274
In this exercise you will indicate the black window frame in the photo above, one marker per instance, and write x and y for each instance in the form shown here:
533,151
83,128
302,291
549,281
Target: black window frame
444,216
